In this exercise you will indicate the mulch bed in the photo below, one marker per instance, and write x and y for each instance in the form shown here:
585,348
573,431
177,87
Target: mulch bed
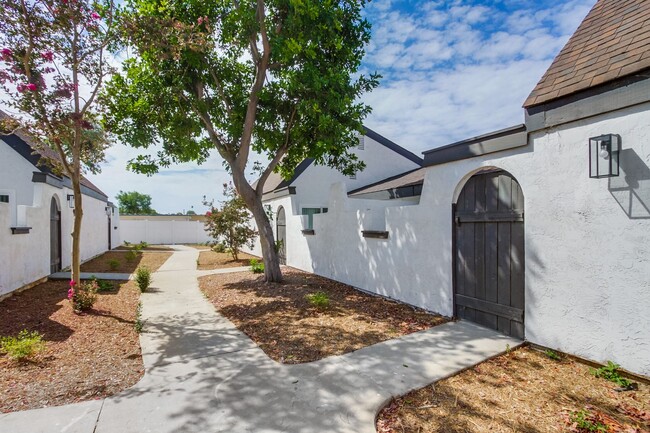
198,246
280,319
148,248
151,260
209,260
87,356
523,391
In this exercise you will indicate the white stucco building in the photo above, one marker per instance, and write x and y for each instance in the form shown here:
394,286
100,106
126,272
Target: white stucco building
512,229
36,219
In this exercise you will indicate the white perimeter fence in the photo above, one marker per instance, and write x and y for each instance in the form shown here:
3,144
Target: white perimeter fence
163,232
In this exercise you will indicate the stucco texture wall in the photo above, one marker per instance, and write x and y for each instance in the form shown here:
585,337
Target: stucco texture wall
25,258
163,231
587,240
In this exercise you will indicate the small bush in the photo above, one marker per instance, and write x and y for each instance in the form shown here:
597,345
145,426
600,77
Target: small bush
142,245
23,346
143,278
552,354
318,299
138,324
113,264
256,266
130,256
587,422
219,248
610,372
103,285
83,296
126,244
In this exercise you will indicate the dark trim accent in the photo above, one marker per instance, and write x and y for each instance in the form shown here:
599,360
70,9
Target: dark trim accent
308,232
297,172
475,217
375,234
379,182
392,146
511,313
48,178
589,92
20,230
497,141
27,152
454,287
278,193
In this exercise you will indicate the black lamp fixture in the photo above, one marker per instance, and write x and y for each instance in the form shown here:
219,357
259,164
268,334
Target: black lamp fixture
603,156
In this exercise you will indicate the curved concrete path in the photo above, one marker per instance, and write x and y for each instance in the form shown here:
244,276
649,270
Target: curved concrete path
204,375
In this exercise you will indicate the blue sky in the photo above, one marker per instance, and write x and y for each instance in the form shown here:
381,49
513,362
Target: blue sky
451,70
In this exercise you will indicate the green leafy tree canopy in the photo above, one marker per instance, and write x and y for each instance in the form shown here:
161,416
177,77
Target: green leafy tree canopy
276,77
134,203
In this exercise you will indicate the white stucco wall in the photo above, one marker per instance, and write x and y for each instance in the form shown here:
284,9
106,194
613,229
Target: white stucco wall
587,240
25,258
163,232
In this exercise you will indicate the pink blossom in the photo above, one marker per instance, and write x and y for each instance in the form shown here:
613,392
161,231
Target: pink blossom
32,87
200,21
48,55
6,54
71,293
95,16
72,283
21,88
208,213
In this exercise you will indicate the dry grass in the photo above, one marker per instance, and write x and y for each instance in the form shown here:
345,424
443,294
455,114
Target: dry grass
209,260
280,319
523,391
152,260
87,356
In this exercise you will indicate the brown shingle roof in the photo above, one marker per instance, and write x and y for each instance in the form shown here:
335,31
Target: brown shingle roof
46,153
611,42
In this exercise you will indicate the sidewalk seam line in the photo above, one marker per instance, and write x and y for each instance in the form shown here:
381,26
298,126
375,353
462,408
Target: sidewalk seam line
98,415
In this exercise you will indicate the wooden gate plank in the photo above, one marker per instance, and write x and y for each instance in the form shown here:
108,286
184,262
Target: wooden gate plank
503,311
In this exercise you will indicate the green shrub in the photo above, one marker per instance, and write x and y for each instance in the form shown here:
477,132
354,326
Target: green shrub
552,354
103,285
113,264
256,266
83,296
610,372
138,324
142,245
130,256
318,299
23,346
586,421
143,278
126,244
219,248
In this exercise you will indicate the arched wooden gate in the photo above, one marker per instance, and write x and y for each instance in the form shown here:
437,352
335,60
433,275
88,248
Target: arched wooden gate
55,237
489,252
281,232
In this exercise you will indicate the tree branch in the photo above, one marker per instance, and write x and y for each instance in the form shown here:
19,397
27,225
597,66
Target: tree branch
260,75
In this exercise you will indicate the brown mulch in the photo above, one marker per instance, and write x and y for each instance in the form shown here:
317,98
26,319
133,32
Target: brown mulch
148,248
289,329
209,260
523,391
198,246
100,264
87,356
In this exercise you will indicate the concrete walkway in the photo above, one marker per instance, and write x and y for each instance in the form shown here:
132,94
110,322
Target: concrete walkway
204,375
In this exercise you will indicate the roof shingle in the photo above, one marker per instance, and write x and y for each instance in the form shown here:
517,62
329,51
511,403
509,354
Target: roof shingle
613,41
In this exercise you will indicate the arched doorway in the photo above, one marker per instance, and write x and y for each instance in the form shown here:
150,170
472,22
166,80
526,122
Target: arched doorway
281,231
489,283
55,236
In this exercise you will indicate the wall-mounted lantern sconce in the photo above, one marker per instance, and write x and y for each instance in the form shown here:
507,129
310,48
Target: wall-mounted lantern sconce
109,211
603,155
71,201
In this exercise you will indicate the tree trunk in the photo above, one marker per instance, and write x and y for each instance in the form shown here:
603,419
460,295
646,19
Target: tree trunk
76,232
272,272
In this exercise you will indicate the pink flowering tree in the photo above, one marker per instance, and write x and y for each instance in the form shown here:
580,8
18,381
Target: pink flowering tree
52,65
